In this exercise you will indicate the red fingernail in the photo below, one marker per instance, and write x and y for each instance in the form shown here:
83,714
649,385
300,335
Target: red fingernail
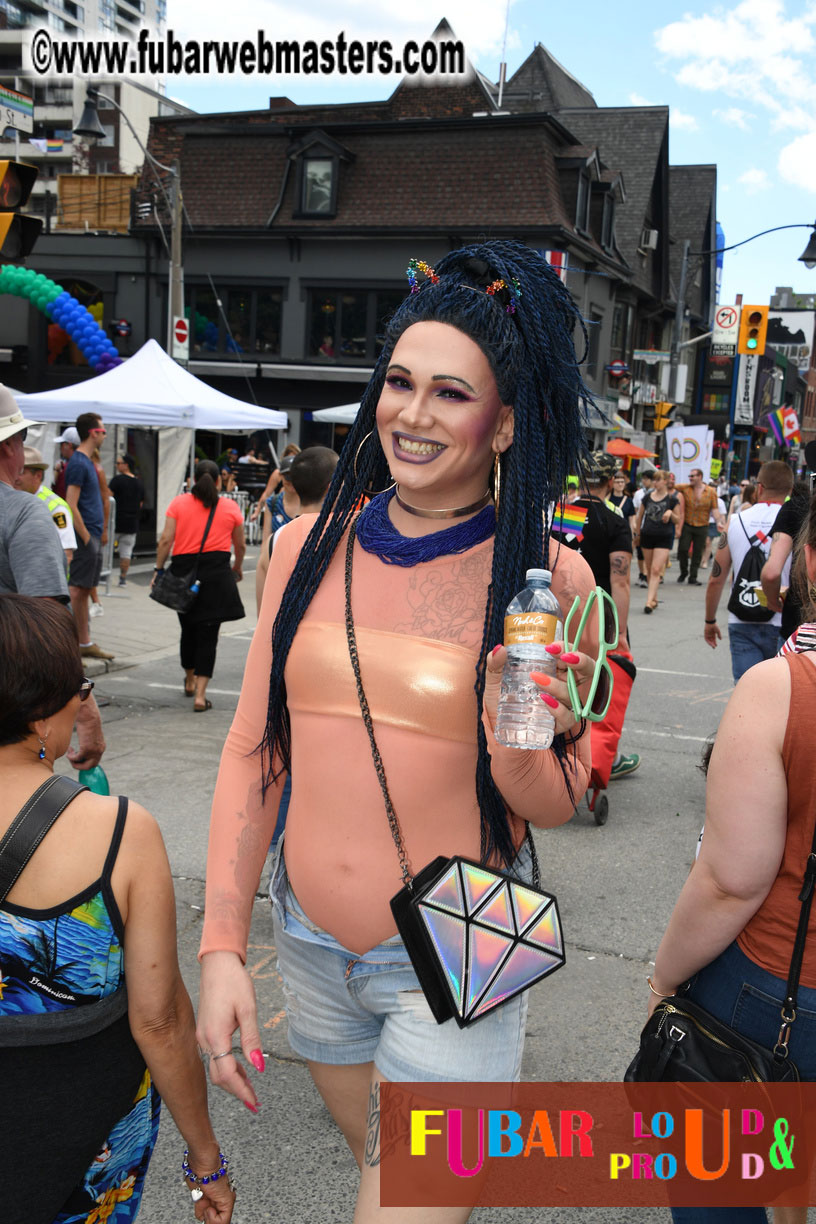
251,1108
495,649
257,1060
570,658
540,678
553,648
548,700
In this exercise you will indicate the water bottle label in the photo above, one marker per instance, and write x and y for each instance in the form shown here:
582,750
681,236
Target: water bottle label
540,628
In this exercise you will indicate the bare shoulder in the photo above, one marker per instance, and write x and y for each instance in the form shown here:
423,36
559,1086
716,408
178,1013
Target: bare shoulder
767,687
142,834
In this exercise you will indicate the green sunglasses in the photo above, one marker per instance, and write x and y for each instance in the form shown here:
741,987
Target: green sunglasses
607,620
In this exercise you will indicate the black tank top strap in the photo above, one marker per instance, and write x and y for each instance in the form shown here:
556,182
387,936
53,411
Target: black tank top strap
116,840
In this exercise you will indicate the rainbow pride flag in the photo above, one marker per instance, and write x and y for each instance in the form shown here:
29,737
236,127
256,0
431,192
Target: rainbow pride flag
570,520
775,422
55,144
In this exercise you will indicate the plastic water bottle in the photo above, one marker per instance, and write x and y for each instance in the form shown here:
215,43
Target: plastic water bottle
95,779
533,621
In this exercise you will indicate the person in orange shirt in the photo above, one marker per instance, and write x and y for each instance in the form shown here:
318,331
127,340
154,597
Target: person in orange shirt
473,420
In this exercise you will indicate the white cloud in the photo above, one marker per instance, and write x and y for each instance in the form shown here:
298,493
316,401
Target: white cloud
682,120
754,180
478,23
797,162
734,116
753,52
636,99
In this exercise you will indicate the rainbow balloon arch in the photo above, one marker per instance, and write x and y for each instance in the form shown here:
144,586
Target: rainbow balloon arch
58,304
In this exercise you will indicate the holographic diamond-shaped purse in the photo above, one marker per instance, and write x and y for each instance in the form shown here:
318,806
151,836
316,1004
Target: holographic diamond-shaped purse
476,937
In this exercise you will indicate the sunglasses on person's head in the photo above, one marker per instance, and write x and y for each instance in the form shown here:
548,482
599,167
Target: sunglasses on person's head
85,689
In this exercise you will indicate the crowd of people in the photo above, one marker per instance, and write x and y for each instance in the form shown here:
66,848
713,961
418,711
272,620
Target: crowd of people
388,570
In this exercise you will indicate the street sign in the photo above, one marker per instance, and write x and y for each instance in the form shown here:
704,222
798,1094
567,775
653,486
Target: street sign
16,111
181,339
725,332
650,356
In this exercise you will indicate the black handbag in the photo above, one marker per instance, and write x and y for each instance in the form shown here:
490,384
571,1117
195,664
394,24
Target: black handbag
178,591
476,937
683,1043
68,1076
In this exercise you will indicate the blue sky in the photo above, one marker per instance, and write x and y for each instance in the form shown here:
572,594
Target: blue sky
740,79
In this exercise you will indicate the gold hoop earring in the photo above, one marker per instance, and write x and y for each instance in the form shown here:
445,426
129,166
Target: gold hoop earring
497,481
369,492
357,452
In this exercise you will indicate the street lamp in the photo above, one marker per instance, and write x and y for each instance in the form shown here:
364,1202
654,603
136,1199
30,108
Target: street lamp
808,258
90,128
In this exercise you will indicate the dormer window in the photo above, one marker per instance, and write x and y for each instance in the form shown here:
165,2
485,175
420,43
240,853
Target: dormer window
582,207
318,186
318,159
608,222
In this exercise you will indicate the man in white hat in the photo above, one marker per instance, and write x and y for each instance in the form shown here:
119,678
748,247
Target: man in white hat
31,481
68,441
32,561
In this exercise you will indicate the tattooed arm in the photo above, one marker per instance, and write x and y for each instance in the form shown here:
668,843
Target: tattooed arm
771,575
719,573
620,563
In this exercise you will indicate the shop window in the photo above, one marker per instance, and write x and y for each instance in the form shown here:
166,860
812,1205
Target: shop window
251,321
348,326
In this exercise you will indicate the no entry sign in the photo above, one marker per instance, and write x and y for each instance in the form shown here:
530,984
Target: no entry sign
181,337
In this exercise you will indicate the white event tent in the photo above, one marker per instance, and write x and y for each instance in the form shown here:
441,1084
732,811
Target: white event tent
345,414
151,389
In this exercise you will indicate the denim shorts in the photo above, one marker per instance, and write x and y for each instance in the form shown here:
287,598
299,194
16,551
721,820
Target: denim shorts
344,1009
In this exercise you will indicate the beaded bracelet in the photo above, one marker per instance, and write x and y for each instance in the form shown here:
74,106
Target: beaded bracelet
211,1177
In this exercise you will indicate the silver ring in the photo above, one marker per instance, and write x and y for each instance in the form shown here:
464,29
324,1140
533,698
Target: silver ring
226,1054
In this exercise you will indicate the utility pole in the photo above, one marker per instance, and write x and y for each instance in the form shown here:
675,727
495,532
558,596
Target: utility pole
677,330
175,297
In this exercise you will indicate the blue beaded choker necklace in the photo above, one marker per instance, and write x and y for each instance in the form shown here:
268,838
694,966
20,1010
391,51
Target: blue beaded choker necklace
378,535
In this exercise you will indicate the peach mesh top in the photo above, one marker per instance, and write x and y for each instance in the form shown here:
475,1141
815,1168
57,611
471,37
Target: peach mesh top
419,632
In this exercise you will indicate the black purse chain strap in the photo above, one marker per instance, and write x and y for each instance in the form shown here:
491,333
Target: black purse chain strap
791,989
393,820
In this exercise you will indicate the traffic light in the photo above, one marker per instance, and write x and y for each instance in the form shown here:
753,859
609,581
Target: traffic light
662,416
18,233
752,330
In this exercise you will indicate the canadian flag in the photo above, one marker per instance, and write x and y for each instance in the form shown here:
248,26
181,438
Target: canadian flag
790,426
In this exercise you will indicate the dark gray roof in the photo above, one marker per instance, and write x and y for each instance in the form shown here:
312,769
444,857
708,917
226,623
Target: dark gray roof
542,84
629,139
692,205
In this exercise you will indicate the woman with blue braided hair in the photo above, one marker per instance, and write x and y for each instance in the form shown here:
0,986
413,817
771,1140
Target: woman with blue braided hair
471,424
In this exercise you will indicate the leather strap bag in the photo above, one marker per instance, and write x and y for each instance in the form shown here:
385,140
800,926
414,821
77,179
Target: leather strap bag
682,1042
178,591
476,937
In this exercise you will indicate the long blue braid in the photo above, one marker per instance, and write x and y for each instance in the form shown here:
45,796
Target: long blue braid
532,355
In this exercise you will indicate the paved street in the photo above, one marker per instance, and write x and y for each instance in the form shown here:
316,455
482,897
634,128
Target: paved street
615,887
